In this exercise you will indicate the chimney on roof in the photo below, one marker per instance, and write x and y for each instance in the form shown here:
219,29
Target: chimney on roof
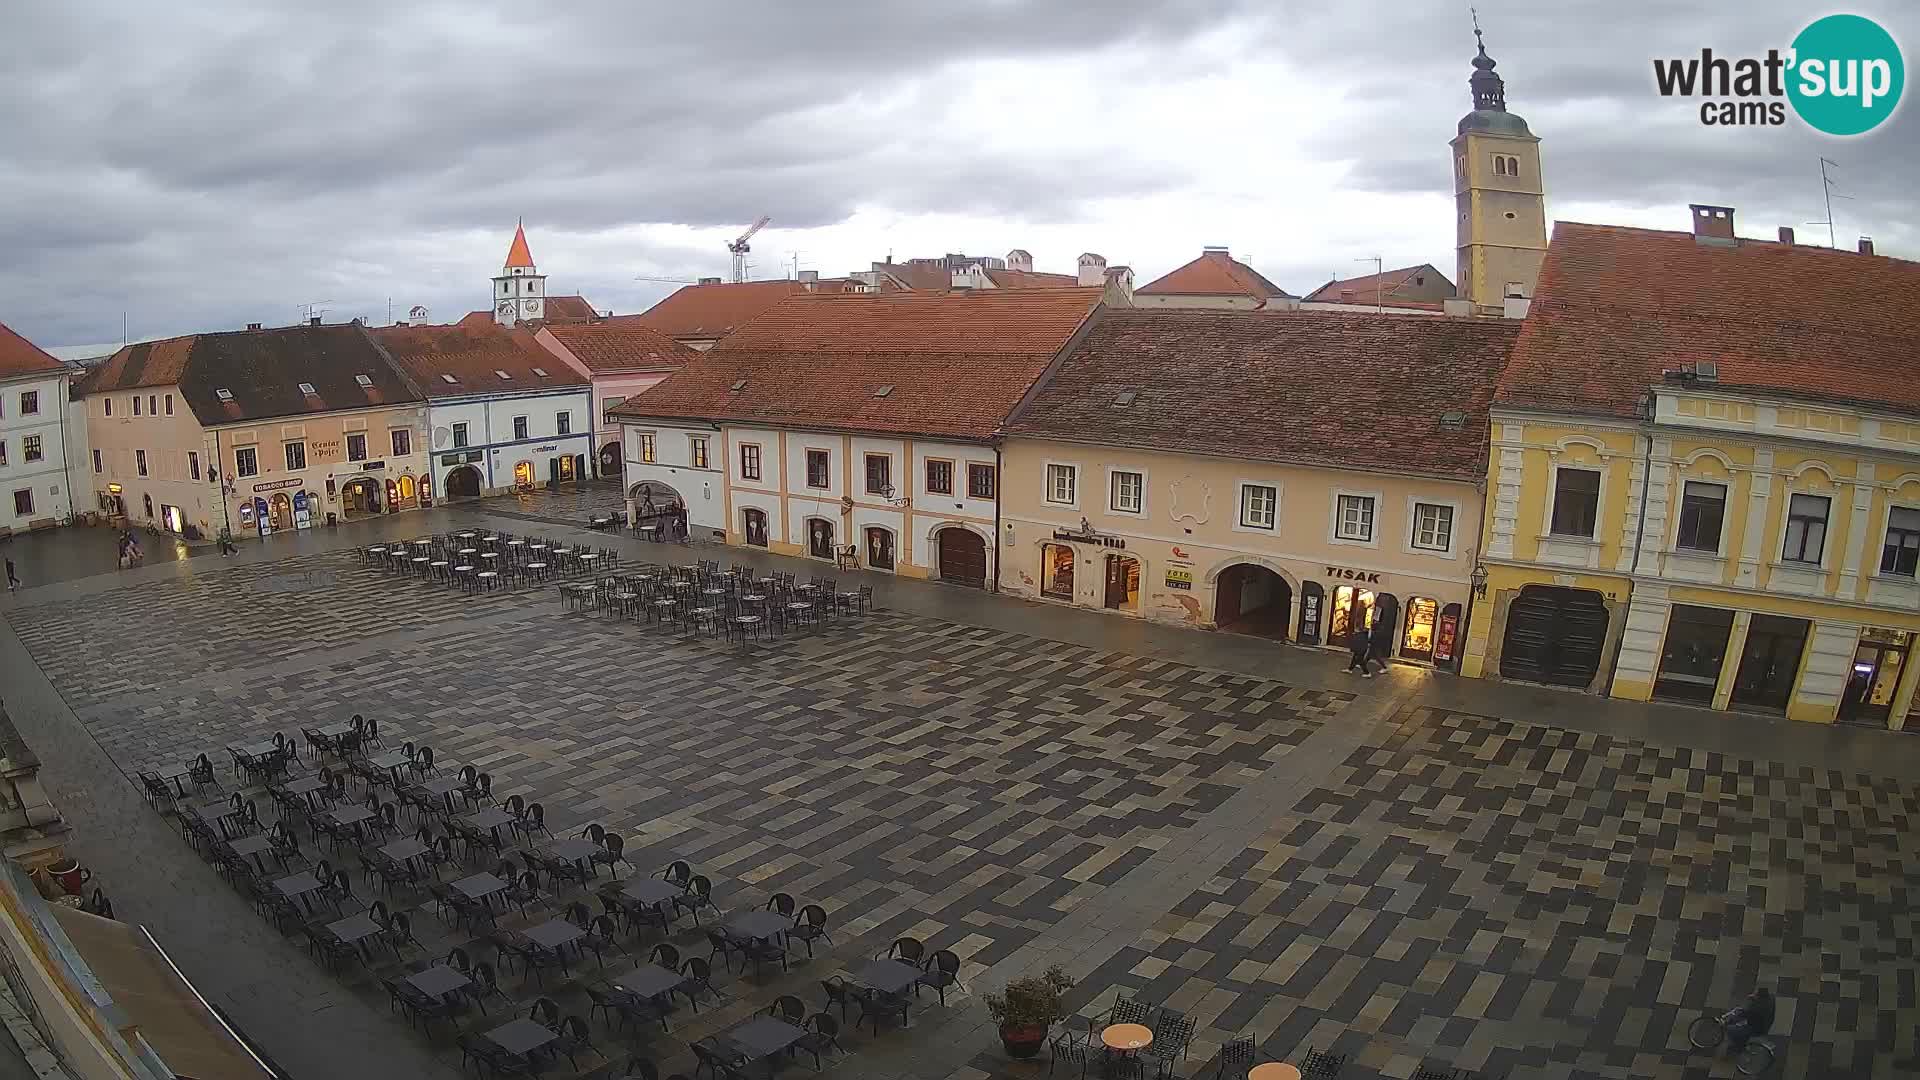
313,320
1866,245
253,326
1712,222
1215,249
1119,287
809,277
1020,259
1093,269
1786,235
709,281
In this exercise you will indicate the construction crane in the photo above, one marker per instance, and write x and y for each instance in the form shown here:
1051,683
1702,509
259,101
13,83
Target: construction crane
666,280
739,248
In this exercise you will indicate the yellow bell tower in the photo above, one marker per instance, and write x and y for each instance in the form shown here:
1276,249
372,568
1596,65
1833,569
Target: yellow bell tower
1499,195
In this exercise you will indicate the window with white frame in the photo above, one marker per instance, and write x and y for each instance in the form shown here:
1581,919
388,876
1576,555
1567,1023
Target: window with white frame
1126,491
648,451
193,464
30,448
750,461
402,441
520,427
29,402
1806,529
1703,507
1354,518
246,461
460,434
296,456
1062,481
819,469
697,450
357,446
1576,502
1432,527
1901,554
1259,505
563,423
140,462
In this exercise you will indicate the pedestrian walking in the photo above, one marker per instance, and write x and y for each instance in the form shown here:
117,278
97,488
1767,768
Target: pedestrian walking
1357,644
1380,641
13,579
226,544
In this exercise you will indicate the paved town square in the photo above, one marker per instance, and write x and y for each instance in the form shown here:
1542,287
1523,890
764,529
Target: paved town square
1322,864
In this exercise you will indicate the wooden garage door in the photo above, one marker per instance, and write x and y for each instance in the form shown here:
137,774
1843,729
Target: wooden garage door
1554,635
963,557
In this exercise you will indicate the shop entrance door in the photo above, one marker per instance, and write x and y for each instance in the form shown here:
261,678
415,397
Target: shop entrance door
1123,582
1769,663
1872,682
1554,635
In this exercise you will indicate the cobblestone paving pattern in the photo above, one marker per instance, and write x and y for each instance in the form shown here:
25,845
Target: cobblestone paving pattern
1480,887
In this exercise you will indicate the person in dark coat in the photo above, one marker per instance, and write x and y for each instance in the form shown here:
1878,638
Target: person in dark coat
1358,643
1753,1017
13,579
1380,641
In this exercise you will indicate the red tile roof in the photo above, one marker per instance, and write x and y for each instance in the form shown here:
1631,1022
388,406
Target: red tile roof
474,356
1616,307
707,312
1375,288
625,343
955,363
1031,279
567,308
18,356
261,370
1327,388
1214,273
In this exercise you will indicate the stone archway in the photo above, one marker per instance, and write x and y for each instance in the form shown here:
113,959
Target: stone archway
463,483
1250,598
612,460
961,555
360,496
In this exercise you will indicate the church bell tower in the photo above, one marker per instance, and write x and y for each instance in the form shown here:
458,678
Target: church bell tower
1499,195
519,291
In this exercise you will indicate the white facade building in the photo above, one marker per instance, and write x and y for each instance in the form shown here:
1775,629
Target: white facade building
34,437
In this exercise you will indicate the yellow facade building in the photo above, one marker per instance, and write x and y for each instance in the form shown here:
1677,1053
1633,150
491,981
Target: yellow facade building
1704,479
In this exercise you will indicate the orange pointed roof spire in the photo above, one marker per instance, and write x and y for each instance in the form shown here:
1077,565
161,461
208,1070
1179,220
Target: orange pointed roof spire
518,255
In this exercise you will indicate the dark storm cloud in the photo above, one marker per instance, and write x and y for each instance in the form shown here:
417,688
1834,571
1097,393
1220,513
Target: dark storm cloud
204,165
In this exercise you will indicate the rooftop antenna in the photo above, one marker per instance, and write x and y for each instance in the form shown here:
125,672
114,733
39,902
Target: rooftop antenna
310,310
796,263
1826,187
1379,271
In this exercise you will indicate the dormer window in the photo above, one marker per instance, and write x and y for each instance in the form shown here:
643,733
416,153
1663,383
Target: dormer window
448,379
223,394
365,381
307,389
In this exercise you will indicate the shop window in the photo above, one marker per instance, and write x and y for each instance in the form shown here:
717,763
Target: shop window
880,475
1432,527
1127,492
1062,484
1312,602
1355,520
939,477
1056,571
357,446
1703,507
1806,529
1259,505
820,538
1123,583
982,481
246,462
1695,651
1423,617
750,461
697,450
755,524
1902,551
819,469
1576,502
296,456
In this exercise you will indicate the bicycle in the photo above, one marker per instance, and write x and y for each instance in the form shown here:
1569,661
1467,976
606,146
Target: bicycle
1709,1031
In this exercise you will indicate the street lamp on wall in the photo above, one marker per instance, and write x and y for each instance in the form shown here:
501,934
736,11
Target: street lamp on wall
1479,580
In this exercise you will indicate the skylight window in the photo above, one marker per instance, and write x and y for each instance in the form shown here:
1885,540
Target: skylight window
223,394
885,391
1124,398
448,379
1453,421
307,389
739,385
364,380
501,373
540,371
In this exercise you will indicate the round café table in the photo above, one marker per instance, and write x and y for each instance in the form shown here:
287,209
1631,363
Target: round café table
1273,1070
1128,1037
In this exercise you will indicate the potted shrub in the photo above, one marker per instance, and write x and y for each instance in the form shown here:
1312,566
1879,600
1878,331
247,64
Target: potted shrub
1027,1008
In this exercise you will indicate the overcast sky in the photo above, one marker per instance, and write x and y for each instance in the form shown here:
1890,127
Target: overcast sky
200,166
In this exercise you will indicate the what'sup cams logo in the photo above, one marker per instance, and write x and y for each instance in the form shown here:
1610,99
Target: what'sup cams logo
1842,75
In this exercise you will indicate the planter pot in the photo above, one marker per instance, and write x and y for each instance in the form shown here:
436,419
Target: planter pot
1023,1041
71,875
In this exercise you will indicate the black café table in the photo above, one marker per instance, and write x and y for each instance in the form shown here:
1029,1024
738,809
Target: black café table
438,980
443,786
763,1037
392,760
577,850
254,749
305,785
480,887
489,818
404,849
521,1036
252,845
887,976
555,934
760,925
298,886
650,981
349,815
354,929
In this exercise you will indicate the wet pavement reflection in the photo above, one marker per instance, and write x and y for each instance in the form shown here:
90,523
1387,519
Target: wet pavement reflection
52,555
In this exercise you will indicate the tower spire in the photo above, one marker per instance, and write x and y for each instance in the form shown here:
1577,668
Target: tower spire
1489,90
518,254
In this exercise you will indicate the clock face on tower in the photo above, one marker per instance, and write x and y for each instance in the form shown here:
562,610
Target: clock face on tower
531,306
506,307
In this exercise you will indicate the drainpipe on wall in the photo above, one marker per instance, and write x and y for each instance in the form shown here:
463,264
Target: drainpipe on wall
1639,533
66,458
997,545
220,456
